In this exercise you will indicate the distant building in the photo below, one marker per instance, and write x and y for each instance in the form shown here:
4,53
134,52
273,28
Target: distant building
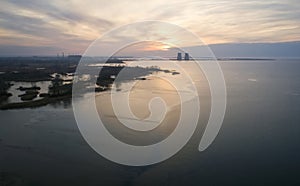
186,56
179,57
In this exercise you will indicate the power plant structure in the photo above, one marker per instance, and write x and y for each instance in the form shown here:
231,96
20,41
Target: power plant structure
186,56
179,57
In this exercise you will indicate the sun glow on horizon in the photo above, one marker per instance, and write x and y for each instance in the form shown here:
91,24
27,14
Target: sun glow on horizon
152,46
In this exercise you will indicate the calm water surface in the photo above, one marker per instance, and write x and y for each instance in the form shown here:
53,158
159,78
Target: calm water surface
258,144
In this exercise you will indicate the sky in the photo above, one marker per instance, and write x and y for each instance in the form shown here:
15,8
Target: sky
48,27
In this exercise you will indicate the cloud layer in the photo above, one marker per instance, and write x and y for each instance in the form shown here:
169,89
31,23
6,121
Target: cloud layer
73,25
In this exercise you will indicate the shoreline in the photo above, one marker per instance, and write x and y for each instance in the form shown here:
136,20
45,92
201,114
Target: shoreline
33,104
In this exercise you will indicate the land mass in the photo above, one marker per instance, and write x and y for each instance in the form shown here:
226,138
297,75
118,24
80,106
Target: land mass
34,69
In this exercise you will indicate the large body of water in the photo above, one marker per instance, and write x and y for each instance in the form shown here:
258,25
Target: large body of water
258,144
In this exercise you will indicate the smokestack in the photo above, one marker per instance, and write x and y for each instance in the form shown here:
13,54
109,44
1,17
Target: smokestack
179,57
186,56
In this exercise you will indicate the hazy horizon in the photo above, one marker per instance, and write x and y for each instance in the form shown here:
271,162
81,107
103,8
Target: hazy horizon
223,50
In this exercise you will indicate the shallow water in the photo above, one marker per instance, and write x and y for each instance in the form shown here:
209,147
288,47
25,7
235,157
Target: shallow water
15,92
258,143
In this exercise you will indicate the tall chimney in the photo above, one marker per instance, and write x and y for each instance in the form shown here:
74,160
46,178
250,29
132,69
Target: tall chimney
186,56
179,57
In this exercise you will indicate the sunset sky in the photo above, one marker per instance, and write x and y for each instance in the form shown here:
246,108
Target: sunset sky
49,27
